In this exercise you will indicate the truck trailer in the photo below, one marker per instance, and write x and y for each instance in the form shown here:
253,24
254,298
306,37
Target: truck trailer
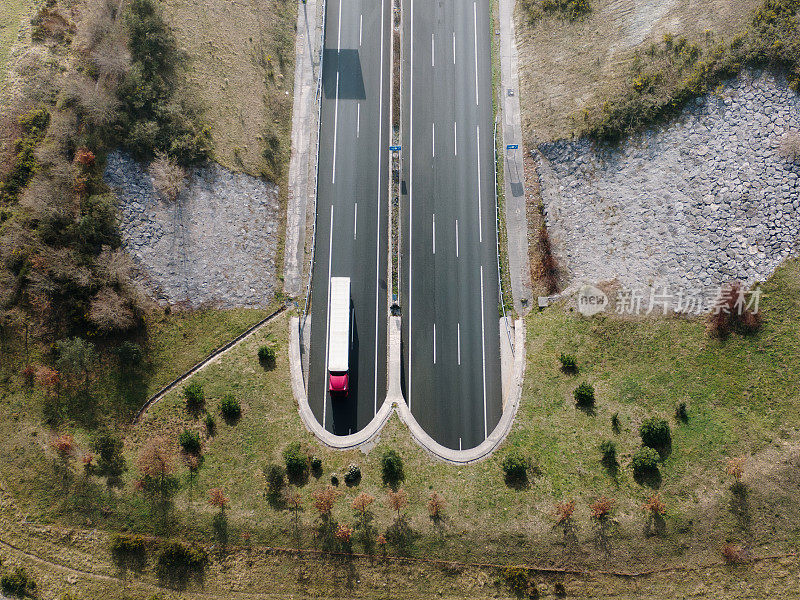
339,336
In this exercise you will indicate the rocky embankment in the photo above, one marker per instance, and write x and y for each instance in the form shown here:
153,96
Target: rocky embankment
707,199
215,245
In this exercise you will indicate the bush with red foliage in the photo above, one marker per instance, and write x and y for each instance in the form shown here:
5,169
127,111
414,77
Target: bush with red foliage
733,311
29,375
734,554
85,157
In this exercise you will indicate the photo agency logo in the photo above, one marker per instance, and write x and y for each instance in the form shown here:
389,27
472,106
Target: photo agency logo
591,300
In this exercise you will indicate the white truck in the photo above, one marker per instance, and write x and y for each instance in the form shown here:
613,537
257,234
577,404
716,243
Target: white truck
339,335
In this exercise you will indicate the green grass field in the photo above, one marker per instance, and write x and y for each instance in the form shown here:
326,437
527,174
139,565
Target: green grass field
742,395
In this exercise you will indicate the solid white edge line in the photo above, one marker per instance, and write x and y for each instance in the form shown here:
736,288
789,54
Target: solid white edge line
483,359
410,196
478,161
475,15
336,104
355,221
378,216
327,324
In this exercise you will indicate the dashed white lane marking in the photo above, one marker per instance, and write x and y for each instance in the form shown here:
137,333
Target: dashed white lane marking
434,343
458,330
433,59
455,138
433,139
478,171
456,238
355,221
434,233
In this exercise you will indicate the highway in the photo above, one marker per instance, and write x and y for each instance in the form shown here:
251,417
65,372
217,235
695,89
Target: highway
352,206
449,286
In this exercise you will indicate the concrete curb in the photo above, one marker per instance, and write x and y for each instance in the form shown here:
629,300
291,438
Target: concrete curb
303,161
395,402
338,442
490,444
516,218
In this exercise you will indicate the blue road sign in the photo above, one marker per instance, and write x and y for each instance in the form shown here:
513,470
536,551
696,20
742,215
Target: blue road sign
512,147
395,148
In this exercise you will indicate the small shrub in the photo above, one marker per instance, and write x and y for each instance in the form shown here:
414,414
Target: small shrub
560,590
734,554
645,462
296,461
392,468
18,583
211,423
353,475
190,441
515,468
655,433
334,481
177,561
230,408
584,395
194,395
517,579
129,550
681,414
267,355
130,355
568,363
608,450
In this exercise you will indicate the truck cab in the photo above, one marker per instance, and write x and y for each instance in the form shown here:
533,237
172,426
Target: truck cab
339,336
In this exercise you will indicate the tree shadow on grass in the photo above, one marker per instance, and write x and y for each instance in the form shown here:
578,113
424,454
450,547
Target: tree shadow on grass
587,409
740,505
517,482
650,479
612,468
656,525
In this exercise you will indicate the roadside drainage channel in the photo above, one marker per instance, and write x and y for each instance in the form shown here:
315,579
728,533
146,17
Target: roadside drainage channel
204,363
513,376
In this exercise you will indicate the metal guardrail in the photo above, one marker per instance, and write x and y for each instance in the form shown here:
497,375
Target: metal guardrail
497,242
318,99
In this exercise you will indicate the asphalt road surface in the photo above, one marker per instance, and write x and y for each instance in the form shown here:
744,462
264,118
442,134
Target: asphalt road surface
449,286
352,204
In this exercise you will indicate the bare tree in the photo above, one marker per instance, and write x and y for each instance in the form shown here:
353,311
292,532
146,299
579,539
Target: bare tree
168,177
110,312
